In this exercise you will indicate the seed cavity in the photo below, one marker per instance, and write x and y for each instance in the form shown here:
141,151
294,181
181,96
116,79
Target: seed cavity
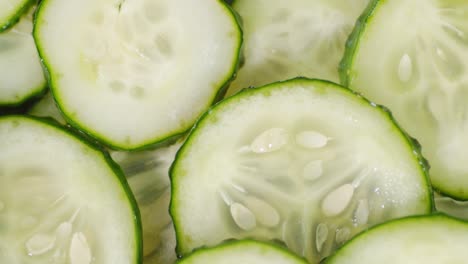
342,235
163,44
243,217
312,170
117,86
321,235
311,139
40,244
337,201
405,68
265,214
80,253
137,92
270,140
361,214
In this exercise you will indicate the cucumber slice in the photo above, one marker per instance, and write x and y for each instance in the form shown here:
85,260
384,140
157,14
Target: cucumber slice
21,75
244,251
306,162
46,107
294,38
136,73
451,207
11,11
148,176
62,200
431,239
412,56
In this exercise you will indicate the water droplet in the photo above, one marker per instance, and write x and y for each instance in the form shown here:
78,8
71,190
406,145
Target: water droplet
405,68
361,215
337,201
265,214
40,244
312,170
342,235
270,140
311,139
80,253
243,217
321,235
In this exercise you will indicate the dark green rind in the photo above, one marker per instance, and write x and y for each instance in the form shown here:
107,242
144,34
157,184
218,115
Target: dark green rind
34,95
161,141
53,124
13,19
243,243
411,143
353,42
391,224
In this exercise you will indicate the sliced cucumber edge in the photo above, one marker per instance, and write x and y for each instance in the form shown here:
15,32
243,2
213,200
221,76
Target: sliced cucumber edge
153,143
411,143
13,19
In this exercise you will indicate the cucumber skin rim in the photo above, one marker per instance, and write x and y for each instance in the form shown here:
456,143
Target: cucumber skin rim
164,140
13,19
346,74
243,242
411,143
403,220
115,168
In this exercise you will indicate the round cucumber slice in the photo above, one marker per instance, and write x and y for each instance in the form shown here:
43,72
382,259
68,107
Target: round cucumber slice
412,57
432,239
137,73
21,74
306,162
62,200
243,251
295,38
11,11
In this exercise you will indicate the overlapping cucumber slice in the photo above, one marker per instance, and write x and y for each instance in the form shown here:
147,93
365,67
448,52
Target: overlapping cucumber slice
306,162
136,73
294,38
244,251
61,199
418,240
11,11
21,74
412,57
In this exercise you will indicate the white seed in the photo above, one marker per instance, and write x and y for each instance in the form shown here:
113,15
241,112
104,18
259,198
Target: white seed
243,217
405,68
321,235
312,170
265,214
80,253
342,235
28,221
270,140
64,230
40,244
361,215
311,139
337,201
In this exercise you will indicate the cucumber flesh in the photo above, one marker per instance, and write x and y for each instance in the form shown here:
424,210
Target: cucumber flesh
412,56
62,200
431,239
295,38
307,162
11,11
244,251
136,73
21,75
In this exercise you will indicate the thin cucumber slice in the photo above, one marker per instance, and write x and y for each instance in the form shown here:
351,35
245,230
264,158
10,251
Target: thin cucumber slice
62,200
11,11
451,207
294,38
243,251
148,176
304,161
137,73
46,107
432,239
412,56
21,74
